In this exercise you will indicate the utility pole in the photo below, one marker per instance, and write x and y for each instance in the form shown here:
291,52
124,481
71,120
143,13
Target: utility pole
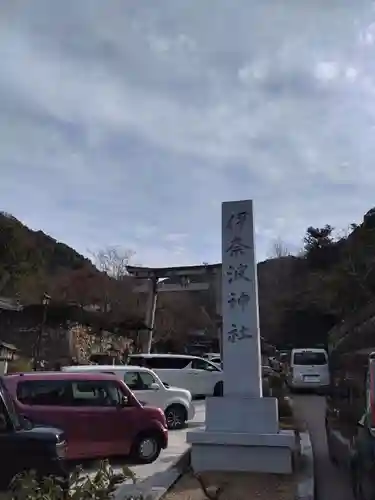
150,314
45,301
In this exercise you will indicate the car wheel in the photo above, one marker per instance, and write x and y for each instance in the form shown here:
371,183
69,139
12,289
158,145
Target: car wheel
219,389
176,416
146,448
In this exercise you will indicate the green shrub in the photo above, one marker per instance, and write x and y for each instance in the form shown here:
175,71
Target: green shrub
279,391
266,388
285,407
26,486
277,386
277,381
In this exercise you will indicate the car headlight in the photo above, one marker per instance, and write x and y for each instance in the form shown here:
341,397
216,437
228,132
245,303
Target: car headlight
61,449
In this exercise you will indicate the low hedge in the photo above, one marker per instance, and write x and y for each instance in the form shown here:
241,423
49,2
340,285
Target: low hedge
27,486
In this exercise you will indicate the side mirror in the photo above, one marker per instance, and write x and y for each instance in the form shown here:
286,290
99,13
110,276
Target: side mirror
154,386
3,423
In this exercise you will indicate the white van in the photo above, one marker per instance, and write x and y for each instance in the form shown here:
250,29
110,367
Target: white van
148,389
308,369
197,375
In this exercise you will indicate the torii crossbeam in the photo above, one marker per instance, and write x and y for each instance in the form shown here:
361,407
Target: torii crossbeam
182,280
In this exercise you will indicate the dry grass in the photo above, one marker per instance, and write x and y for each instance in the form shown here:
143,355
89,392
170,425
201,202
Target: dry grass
292,423
234,486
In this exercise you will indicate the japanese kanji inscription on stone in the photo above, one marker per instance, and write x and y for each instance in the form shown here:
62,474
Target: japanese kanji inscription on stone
239,296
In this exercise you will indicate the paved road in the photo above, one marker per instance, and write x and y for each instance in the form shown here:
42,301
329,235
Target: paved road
176,446
331,482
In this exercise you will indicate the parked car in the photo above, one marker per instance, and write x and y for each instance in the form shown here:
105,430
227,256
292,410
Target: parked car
101,417
199,376
308,369
211,355
175,402
25,447
217,361
350,416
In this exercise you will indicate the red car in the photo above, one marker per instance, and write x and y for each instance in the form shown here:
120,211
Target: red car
98,413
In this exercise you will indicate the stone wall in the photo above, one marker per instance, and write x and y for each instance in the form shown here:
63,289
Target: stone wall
57,343
60,342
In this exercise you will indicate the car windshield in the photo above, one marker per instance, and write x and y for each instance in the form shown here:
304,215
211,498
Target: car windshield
8,400
309,358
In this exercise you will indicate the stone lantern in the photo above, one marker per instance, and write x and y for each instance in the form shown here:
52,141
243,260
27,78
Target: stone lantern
8,352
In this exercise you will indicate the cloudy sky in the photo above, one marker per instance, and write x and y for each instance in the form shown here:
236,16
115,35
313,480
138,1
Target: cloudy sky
129,122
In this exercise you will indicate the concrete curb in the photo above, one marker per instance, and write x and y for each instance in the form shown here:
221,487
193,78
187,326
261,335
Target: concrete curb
306,483
157,485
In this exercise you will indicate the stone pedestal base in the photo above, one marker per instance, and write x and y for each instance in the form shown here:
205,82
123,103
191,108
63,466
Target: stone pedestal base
239,414
241,434
241,452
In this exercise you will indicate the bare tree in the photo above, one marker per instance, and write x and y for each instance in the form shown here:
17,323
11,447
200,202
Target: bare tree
116,290
177,315
113,261
279,249
82,286
346,232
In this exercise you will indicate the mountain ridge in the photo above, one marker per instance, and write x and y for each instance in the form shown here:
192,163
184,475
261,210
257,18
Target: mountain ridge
28,255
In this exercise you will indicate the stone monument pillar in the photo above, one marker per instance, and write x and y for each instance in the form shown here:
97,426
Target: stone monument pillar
242,430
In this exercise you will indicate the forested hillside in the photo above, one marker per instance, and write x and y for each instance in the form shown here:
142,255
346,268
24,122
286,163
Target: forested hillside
32,263
301,297
31,260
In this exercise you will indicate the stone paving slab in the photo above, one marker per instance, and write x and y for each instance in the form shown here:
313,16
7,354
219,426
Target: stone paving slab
330,482
176,447
156,486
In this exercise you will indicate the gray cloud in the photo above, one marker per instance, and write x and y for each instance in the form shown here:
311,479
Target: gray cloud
128,122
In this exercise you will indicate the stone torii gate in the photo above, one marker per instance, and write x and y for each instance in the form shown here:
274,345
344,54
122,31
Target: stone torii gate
182,279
